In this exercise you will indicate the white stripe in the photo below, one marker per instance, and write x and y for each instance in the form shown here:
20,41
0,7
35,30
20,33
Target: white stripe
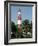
19,22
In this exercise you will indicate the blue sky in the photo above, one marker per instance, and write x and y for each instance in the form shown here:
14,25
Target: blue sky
26,13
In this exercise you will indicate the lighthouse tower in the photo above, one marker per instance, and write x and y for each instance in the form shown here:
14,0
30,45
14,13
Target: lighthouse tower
19,21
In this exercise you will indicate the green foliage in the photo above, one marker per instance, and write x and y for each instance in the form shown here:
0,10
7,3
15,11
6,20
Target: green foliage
26,27
13,27
25,22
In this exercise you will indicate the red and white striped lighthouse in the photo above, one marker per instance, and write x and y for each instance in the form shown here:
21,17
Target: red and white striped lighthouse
19,21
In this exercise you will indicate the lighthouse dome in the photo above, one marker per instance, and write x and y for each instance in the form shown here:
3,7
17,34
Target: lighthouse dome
19,11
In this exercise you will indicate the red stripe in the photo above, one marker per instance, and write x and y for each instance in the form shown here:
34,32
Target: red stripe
19,17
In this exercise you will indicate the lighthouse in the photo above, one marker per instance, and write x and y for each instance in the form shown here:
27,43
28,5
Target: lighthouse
19,21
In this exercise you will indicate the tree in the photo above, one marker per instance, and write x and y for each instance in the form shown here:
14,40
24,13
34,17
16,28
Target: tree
13,30
27,26
30,27
13,27
26,22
